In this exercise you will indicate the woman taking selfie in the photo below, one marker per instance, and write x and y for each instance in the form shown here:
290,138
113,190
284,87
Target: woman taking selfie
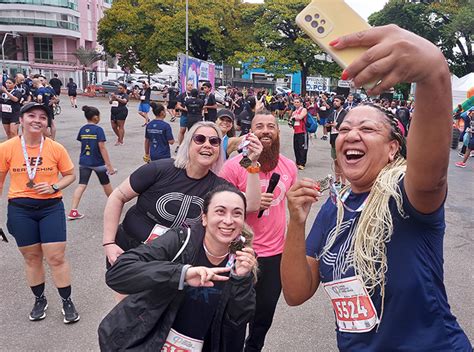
190,289
376,247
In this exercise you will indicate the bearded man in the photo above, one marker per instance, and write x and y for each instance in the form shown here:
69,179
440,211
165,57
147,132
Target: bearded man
269,230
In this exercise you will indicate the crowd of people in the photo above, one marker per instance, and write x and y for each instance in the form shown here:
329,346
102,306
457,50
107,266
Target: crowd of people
216,233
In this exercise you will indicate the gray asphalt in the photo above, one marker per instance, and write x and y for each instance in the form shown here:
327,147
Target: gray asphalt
309,327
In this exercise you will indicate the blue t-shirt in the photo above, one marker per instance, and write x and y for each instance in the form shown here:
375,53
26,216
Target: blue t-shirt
90,135
416,315
159,133
47,93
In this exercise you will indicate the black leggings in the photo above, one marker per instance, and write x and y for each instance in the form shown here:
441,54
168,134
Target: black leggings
300,146
268,289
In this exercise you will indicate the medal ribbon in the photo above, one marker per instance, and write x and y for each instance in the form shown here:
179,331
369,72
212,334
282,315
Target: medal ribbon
335,194
31,173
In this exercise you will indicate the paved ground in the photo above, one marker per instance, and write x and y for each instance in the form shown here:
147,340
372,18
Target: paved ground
306,328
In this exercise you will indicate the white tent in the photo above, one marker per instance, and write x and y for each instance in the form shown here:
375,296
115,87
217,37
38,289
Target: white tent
460,87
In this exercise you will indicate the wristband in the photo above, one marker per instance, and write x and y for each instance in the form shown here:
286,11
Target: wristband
108,243
254,169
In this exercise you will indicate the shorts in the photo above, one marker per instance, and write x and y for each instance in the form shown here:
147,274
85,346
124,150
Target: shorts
322,121
144,107
86,171
471,144
172,104
120,115
72,94
31,221
11,118
183,121
191,120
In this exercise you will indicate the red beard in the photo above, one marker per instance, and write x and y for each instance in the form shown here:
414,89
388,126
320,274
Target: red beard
270,155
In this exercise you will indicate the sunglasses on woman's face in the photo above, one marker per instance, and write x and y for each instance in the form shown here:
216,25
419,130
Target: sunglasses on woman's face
200,139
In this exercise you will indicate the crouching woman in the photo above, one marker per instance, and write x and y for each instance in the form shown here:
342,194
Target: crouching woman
190,289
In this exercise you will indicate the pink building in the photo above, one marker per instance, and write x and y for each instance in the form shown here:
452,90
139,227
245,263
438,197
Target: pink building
41,36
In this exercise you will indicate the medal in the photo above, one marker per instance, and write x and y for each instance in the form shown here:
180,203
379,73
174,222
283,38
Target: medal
245,162
31,172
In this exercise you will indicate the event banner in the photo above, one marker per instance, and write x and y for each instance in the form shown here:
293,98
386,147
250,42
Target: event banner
198,71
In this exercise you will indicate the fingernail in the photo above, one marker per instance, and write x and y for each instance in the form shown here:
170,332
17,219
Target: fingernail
334,42
345,75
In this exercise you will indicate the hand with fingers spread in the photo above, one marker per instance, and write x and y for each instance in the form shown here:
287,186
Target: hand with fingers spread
245,261
394,55
201,276
301,197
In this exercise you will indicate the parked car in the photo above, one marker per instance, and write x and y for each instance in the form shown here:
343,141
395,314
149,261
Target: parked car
283,90
219,96
108,86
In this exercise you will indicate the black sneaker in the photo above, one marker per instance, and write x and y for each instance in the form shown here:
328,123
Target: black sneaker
39,309
70,313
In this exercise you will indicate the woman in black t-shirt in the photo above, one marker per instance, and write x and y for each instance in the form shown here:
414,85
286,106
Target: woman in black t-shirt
10,108
170,193
72,92
119,112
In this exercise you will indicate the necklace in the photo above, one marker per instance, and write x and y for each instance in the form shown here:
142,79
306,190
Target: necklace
343,201
213,255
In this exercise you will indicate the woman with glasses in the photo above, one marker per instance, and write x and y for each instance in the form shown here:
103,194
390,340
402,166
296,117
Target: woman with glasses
170,192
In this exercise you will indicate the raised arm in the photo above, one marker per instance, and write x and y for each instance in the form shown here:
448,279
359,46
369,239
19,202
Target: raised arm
396,55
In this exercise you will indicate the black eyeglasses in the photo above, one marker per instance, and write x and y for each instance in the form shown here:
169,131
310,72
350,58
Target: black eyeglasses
200,139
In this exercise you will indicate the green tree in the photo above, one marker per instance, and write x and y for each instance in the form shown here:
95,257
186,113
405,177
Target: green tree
448,24
148,32
280,45
86,57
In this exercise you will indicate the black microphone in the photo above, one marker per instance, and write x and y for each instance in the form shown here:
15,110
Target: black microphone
271,187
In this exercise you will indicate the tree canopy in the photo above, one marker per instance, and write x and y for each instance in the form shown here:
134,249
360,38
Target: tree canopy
449,24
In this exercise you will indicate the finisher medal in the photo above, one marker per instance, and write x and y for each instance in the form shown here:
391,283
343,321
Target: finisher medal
30,184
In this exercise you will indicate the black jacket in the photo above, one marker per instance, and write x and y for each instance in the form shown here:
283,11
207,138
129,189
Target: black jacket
142,321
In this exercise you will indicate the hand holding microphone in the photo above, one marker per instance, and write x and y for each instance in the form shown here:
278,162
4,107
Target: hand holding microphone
271,187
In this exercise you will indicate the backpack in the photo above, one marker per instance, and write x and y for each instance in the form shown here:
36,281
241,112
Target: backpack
311,124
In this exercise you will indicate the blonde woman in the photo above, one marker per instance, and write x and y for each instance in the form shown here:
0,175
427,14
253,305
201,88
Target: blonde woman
376,248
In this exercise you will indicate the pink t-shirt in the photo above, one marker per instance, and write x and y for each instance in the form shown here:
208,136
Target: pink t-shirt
270,229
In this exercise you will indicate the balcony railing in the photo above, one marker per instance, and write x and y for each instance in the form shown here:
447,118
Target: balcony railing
55,62
69,4
40,23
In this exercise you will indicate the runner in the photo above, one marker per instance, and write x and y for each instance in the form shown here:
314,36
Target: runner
333,122
56,83
144,96
72,92
36,216
325,111
200,293
225,122
173,93
194,109
94,157
300,136
180,105
210,104
244,119
10,107
45,95
158,135
378,252
119,112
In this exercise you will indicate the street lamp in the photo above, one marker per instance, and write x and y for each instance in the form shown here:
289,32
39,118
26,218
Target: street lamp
14,35
187,40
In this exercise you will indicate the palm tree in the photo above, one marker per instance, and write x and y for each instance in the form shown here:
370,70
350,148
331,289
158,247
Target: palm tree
86,57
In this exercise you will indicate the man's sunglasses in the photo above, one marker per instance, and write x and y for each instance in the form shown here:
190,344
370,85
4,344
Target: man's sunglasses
200,139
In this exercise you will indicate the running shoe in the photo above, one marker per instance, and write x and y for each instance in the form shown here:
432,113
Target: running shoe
69,311
300,167
74,215
460,164
324,138
39,309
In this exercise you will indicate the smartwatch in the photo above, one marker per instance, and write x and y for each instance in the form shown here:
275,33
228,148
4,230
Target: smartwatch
55,188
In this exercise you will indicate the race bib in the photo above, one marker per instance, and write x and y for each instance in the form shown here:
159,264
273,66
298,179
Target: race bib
157,231
297,123
6,108
142,97
322,108
176,342
353,307
115,104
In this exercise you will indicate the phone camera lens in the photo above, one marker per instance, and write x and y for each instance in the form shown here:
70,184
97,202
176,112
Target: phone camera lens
314,24
320,30
308,18
316,16
323,22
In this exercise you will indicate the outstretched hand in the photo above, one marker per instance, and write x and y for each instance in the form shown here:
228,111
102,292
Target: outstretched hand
394,55
301,197
201,276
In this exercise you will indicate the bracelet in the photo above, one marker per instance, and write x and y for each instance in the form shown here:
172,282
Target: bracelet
254,169
108,243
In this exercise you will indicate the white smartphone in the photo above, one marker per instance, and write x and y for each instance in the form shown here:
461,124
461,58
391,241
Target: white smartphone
326,20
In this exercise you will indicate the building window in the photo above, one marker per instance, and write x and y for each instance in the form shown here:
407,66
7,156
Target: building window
44,49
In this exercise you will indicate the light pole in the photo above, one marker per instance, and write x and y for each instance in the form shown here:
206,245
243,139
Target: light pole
14,35
187,40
